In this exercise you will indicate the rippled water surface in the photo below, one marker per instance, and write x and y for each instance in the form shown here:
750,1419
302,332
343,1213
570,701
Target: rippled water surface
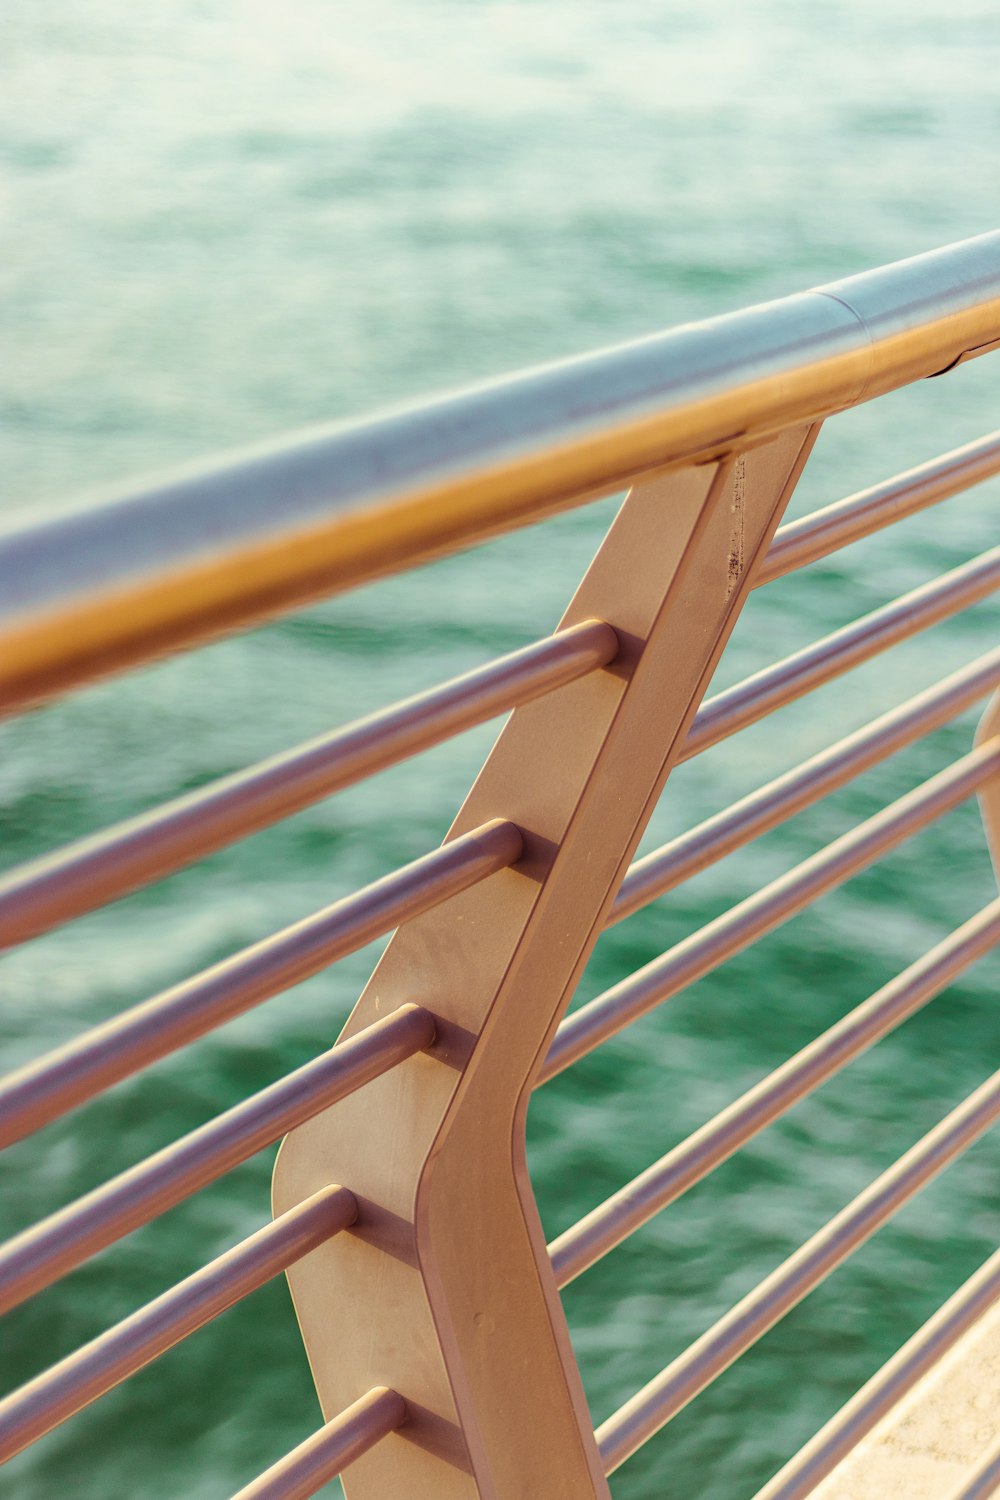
224,221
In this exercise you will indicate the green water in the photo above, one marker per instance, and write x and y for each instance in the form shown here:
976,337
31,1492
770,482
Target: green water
226,220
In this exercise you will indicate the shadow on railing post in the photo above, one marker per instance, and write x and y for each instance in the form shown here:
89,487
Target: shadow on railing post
442,1291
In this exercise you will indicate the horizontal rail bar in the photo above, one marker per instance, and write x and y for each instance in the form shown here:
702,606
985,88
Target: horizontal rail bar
323,1456
68,1076
48,1250
897,1377
93,871
983,1482
735,1332
807,540
207,551
695,956
667,1179
757,696
761,810
57,1394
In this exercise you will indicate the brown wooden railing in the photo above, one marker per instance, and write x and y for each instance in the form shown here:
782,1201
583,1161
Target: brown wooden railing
404,1217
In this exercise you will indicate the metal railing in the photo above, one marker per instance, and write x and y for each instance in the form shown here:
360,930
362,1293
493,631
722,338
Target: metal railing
404,1217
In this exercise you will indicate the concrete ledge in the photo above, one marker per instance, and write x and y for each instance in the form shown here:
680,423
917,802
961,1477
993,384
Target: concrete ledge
937,1435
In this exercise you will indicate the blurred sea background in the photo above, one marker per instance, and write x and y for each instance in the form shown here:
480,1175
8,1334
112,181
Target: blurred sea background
223,221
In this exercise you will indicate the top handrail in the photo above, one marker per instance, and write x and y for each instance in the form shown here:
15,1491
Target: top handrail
208,550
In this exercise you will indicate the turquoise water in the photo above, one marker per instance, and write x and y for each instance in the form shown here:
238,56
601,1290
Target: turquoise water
227,220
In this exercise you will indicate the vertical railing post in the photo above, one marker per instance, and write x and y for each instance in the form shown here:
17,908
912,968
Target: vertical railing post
989,795
442,1290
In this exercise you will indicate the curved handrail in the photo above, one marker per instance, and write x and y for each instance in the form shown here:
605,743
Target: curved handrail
205,551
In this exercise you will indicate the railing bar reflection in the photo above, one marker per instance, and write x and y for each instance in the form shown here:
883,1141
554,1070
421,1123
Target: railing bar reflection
896,1378
761,810
94,871
805,541
69,1076
90,1372
688,1163
48,1250
794,676
685,1377
321,1457
766,909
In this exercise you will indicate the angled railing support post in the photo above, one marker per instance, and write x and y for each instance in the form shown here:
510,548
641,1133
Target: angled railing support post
442,1290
